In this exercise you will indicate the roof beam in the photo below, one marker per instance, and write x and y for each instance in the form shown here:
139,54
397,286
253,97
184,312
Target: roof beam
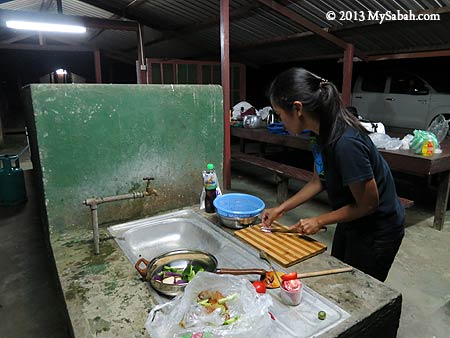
309,25
416,55
439,10
271,41
17,38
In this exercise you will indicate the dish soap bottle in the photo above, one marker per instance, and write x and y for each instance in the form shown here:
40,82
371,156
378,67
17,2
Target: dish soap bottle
428,147
210,185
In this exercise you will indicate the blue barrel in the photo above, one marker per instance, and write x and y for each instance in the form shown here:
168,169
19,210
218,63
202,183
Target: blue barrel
12,181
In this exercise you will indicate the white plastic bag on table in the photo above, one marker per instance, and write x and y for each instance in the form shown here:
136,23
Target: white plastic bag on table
384,141
380,140
406,141
252,309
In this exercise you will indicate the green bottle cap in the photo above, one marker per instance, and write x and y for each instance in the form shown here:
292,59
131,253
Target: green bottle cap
210,166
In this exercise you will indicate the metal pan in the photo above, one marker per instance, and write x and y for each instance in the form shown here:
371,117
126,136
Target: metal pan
180,259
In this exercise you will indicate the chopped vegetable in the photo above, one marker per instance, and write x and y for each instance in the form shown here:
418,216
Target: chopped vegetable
322,315
289,276
213,300
231,320
169,280
190,271
292,285
227,298
260,287
177,276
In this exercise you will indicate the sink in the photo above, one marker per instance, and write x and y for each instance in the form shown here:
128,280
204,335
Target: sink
169,234
185,229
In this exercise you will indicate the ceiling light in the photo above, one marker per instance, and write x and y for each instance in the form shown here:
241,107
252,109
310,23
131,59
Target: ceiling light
45,27
61,71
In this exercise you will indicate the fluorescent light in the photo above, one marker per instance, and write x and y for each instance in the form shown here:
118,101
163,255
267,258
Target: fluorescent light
45,27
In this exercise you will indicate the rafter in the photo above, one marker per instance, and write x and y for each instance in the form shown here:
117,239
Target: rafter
208,23
124,12
297,18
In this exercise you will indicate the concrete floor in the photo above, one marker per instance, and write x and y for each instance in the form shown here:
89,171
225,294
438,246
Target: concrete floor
31,304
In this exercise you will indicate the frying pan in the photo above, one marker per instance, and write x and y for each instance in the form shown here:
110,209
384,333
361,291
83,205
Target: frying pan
180,259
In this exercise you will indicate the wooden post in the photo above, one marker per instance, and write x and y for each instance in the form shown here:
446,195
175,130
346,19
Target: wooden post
225,62
347,75
98,66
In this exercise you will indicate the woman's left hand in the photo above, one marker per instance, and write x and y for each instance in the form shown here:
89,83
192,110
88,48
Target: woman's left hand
307,226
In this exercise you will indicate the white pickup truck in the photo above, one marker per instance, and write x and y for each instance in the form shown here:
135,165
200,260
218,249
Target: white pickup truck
400,99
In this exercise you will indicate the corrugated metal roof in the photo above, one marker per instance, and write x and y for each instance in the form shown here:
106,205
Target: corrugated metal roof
257,33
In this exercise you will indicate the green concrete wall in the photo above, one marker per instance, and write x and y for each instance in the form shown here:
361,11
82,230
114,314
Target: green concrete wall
101,140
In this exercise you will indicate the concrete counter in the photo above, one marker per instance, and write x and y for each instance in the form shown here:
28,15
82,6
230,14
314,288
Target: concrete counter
106,297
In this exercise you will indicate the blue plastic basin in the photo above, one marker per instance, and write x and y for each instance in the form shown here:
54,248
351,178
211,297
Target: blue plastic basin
238,205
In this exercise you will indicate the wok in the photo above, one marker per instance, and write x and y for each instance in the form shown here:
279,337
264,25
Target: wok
180,259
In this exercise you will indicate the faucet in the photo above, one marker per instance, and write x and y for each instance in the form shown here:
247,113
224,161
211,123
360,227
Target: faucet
148,190
94,202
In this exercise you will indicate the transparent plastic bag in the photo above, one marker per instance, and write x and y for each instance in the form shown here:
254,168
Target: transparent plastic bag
439,127
380,140
184,317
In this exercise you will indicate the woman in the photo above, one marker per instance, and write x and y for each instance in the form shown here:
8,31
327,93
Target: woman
359,182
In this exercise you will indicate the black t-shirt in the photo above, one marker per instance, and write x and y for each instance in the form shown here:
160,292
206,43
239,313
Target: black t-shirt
354,158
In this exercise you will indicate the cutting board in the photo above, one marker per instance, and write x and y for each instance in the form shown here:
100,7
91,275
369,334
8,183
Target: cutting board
285,249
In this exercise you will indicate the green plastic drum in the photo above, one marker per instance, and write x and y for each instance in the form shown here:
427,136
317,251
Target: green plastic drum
12,181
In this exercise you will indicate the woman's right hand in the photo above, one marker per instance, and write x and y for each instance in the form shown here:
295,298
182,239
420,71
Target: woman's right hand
269,215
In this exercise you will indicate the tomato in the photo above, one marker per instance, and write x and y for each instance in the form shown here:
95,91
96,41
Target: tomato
292,285
289,276
259,286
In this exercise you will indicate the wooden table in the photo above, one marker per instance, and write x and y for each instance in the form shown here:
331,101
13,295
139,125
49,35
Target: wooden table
400,160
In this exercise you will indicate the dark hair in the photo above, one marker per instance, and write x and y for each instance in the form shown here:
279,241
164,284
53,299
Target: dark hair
319,97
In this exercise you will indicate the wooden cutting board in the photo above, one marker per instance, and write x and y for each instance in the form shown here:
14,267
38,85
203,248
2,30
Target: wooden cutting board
285,249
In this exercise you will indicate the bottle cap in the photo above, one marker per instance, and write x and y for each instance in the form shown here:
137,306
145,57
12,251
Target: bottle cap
210,166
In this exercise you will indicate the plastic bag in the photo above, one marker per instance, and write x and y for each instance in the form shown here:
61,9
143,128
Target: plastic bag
406,141
250,308
420,137
439,127
380,140
384,141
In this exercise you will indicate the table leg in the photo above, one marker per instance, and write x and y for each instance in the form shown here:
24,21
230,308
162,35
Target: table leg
442,199
242,145
282,188
262,148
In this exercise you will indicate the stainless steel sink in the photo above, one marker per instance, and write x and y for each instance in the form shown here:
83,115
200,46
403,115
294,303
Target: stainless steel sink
186,229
